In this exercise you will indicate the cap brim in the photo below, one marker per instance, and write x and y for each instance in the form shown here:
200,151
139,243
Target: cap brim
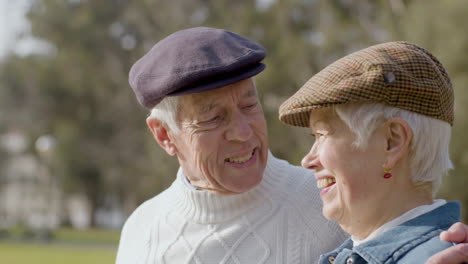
220,81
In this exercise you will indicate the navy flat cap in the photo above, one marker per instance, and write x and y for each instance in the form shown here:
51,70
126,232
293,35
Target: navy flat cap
192,61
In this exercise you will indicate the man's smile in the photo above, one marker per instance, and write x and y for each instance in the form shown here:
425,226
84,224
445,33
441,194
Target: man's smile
241,158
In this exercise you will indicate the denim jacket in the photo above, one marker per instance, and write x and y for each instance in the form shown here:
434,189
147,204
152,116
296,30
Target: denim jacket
409,243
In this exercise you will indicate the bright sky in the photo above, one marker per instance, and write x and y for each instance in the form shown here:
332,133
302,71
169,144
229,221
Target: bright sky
12,22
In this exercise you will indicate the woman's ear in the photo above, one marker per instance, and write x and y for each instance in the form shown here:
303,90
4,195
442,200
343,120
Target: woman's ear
399,136
161,135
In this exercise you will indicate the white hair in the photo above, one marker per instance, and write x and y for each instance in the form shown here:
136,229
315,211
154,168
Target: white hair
166,111
429,147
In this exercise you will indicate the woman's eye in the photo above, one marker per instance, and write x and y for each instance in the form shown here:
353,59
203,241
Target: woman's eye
317,135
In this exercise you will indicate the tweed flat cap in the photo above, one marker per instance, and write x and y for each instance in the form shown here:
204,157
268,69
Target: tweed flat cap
398,74
194,60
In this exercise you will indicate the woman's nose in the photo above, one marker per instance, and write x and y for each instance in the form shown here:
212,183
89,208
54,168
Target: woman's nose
310,160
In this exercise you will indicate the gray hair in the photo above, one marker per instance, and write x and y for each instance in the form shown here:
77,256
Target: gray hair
429,148
166,111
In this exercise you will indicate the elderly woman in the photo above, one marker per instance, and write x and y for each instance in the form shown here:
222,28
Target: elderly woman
381,118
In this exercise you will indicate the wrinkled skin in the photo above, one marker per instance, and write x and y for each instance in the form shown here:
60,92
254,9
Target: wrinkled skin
222,143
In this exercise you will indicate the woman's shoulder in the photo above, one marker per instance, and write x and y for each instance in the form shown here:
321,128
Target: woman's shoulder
425,250
418,239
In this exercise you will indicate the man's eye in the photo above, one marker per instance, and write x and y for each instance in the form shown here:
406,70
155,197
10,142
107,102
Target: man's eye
214,119
250,106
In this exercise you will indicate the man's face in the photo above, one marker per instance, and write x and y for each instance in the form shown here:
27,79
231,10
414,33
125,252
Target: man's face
222,144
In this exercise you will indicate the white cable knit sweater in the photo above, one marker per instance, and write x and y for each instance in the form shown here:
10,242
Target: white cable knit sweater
278,221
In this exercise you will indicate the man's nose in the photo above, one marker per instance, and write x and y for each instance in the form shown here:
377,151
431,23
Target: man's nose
239,128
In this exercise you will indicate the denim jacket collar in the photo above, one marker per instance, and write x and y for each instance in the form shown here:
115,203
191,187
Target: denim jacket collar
391,245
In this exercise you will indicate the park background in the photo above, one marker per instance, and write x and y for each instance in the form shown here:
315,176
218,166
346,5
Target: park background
76,157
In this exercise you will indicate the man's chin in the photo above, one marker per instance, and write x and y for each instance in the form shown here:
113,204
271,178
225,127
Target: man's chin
246,183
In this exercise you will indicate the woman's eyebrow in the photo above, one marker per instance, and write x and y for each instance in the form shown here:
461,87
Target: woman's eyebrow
316,123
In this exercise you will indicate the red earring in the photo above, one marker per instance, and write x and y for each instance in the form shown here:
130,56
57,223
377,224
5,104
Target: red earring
387,172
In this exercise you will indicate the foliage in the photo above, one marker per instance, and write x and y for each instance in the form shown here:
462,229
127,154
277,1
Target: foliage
444,38
78,92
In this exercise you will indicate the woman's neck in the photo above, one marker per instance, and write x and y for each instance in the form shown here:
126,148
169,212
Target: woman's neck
370,219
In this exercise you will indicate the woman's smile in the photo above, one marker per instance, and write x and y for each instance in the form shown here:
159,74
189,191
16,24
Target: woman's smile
325,184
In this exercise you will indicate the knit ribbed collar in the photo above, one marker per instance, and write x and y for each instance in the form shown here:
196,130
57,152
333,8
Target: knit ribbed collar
210,207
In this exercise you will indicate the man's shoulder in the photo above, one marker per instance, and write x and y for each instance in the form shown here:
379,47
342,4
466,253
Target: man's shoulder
297,180
136,232
300,187
304,203
148,210
294,173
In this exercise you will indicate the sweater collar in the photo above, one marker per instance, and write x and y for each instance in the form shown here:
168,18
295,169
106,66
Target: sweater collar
211,207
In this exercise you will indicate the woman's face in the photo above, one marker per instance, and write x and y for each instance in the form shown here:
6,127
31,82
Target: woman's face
350,179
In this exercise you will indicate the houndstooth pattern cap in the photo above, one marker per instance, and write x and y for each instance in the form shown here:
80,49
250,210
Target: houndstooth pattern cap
398,74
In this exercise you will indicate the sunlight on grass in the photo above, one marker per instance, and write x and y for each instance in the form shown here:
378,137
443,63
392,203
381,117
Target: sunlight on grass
68,246
89,235
22,253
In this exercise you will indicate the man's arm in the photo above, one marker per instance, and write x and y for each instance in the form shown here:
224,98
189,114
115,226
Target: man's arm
457,254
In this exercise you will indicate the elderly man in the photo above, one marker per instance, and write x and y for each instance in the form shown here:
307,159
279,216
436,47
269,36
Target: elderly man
232,201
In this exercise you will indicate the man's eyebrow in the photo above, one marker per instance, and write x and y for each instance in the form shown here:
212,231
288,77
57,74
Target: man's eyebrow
205,108
250,93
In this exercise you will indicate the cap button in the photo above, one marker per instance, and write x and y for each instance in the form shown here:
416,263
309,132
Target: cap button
389,77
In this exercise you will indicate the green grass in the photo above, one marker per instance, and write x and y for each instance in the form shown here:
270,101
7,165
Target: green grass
26,253
74,235
68,246
89,235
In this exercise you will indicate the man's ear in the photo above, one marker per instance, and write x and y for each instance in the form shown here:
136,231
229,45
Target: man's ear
399,136
161,135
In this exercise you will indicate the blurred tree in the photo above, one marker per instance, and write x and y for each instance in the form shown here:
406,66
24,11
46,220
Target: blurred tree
436,25
78,91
